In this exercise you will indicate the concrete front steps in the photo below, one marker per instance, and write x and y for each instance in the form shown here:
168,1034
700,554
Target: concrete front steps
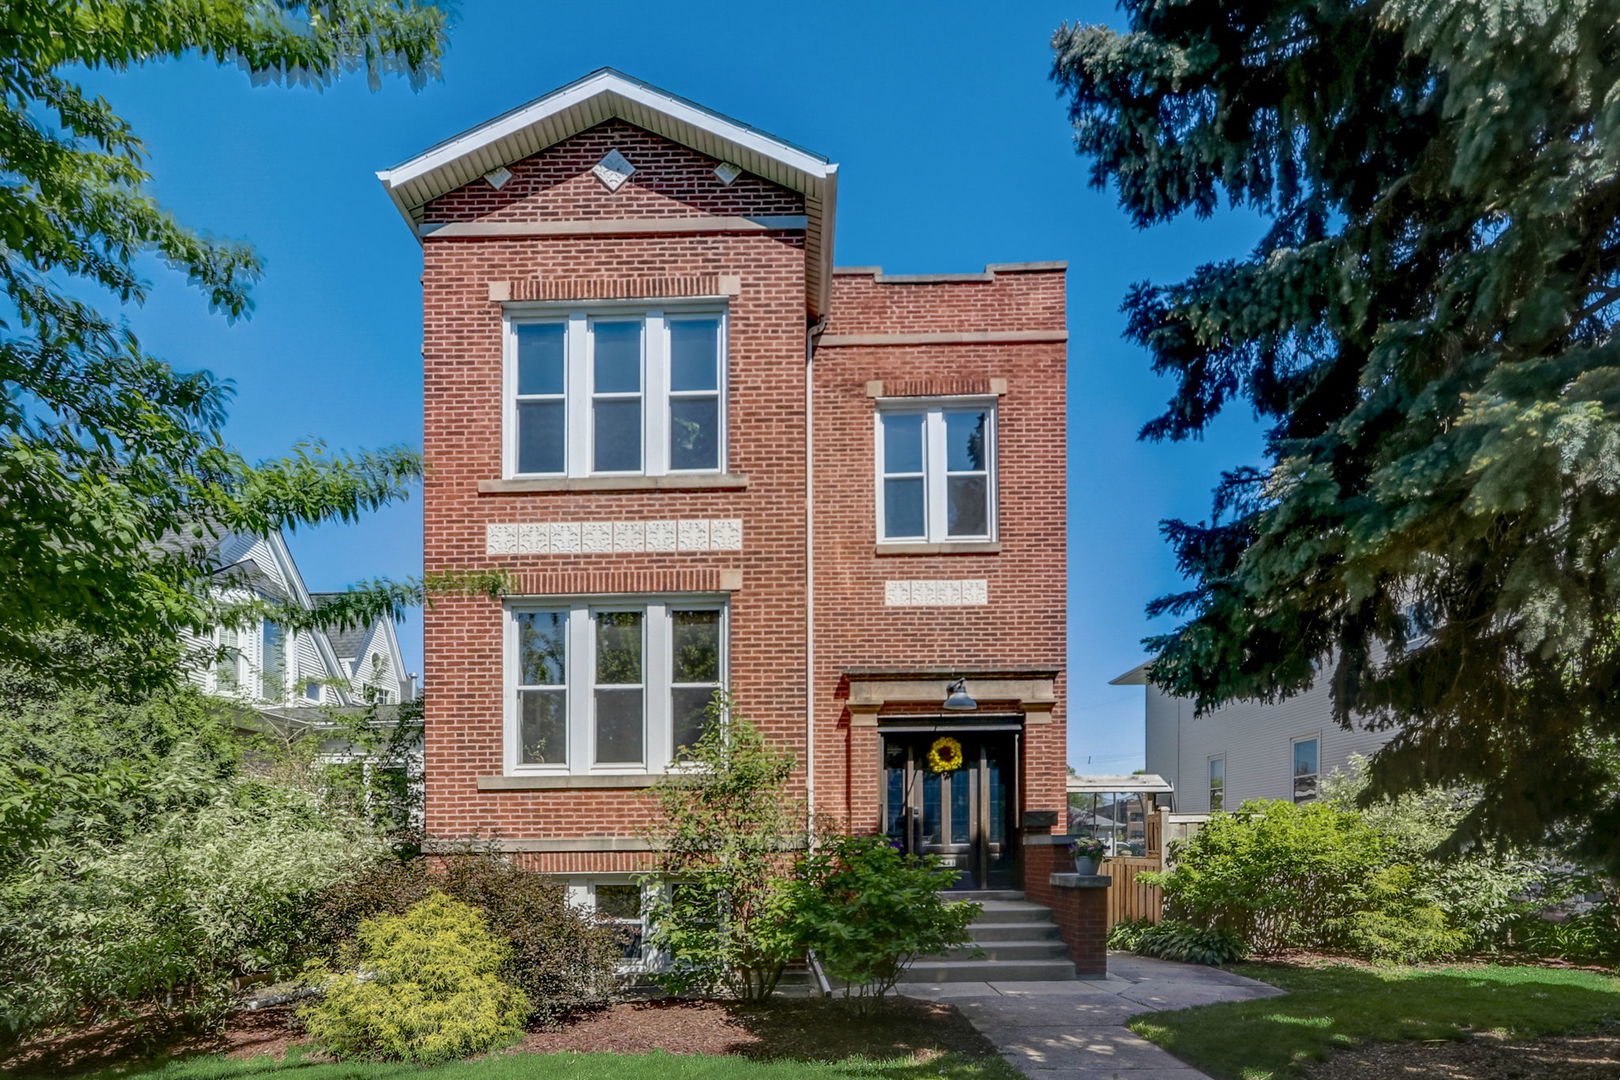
1014,940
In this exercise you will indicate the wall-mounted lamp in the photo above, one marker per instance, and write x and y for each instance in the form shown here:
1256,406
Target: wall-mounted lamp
958,699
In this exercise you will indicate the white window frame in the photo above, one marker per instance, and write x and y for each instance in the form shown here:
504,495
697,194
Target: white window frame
1316,777
579,392
1209,781
936,506
581,893
580,687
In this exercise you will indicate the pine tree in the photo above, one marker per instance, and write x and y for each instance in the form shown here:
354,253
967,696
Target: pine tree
1428,329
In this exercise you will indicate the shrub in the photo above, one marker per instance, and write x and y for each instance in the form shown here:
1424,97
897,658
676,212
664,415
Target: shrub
172,917
428,990
867,910
720,892
1276,874
559,956
1176,940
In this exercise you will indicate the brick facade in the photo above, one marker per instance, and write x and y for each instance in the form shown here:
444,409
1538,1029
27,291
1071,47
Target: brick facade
997,335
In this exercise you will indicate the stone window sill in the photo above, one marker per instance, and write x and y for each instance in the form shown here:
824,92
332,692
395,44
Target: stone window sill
569,782
966,547
673,482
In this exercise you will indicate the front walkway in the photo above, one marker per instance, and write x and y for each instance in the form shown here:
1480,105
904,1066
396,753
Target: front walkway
1076,1030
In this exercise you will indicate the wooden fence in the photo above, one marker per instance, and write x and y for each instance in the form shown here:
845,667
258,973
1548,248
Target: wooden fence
1129,898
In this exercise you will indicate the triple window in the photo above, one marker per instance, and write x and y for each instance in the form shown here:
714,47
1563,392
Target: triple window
936,472
611,688
616,392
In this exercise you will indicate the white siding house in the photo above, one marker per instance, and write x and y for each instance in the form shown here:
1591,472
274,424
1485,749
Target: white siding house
1246,750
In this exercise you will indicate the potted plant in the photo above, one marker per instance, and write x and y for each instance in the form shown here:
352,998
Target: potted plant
1088,852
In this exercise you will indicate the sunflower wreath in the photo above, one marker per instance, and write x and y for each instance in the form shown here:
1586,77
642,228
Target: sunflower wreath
945,755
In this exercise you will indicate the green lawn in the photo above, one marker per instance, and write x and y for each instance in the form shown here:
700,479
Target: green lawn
1331,1008
519,1066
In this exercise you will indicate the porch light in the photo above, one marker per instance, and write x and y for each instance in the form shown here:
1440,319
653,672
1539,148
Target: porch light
958,700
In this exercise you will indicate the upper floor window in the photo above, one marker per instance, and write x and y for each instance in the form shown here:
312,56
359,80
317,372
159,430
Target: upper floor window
1217,783
936,472
616,391
610,687
1306,767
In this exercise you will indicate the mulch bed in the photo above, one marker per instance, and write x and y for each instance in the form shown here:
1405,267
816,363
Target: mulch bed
1484,1057
796,1029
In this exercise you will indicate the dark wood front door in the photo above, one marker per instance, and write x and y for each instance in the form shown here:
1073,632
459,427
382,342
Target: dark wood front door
965,815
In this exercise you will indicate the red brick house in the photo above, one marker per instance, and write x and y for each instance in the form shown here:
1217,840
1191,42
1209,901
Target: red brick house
709,458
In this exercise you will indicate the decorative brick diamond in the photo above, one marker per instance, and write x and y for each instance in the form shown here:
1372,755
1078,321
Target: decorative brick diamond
613,170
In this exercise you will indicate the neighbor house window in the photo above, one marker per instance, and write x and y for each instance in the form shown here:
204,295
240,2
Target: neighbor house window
610,687
1306,767
936,472
312,690
273,662
616,392
228,670
1217,783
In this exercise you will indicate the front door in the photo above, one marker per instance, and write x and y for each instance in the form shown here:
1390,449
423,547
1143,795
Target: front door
963,814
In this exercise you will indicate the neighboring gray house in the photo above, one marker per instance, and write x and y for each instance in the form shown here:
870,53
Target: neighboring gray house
271,668
1246,750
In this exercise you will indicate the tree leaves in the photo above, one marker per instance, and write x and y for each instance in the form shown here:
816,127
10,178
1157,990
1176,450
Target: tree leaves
115,480
1427,327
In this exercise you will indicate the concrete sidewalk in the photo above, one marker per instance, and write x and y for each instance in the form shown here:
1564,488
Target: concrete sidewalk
1076,1030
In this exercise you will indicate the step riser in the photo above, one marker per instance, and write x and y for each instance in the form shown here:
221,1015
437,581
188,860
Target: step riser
1009,950
999,971
979,896
1032,914
1016,932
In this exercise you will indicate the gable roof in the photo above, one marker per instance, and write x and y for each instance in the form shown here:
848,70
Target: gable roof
606,94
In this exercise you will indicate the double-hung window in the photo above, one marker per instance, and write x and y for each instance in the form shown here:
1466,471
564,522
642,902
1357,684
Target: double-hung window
936,472
610,687
615,391
1307,764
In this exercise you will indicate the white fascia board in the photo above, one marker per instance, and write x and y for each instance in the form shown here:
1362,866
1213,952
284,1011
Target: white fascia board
585,89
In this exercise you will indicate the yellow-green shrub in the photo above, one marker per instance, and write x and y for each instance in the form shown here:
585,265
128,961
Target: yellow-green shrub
427,989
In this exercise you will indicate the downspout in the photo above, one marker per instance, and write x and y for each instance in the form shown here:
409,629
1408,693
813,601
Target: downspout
811,333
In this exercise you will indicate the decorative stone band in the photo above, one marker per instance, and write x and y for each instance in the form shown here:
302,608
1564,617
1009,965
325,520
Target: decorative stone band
579,288
965,592
613,537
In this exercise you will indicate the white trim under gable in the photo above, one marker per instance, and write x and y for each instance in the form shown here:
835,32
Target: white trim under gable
608,94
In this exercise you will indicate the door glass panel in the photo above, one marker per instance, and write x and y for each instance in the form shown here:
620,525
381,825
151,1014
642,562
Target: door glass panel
894,769
998,799
931,808
961,804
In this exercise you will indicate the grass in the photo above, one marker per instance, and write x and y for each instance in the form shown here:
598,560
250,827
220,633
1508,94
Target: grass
1335,1007
522,1066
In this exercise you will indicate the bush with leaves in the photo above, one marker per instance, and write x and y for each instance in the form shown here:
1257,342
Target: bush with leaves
560,956
167,920
1174,939
1276,874
867,910
427,990
720,906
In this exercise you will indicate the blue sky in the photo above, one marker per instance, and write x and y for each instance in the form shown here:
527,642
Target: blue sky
954,151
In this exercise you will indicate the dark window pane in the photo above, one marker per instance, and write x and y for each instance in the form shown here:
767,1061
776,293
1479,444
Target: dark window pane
902,443
617,356
541,433
966,511
618,435
618,901
964,441
694,433
540,358
696,646
931,815
542,648
689,707
1305,757
903,507
618,647
619,728
544,720
694,354
960,823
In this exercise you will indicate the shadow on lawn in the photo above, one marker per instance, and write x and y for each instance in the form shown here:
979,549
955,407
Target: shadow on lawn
830,1030
1332,1008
